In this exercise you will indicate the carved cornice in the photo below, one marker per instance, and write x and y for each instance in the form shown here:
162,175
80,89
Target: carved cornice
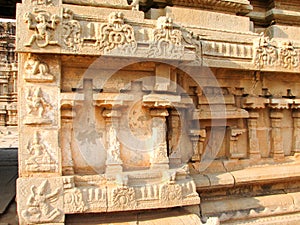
234,6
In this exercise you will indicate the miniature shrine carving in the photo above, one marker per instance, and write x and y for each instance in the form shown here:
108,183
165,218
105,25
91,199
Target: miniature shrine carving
289,56
43,24
36,70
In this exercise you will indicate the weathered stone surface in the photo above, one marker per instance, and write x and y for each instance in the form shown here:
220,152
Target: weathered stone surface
126,111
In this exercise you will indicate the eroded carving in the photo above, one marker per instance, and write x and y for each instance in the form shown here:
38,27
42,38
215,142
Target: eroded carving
36,107
113,155
43,25
73,201
288,55
72,31
42,2
40,159
265,53
37,71
166,40
39,208
170,192
124,198
116,34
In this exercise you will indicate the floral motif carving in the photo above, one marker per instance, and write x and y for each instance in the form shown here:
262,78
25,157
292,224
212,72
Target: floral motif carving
124,197
40,159
72,31
265,53
289,57
36,107
166,40
37,71
116,34
39,208
43,25
170,192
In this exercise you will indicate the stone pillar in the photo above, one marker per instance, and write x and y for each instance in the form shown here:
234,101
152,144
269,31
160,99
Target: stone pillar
296,132
276,136
113,160
198,139
174,134
159,158
66,140
254,152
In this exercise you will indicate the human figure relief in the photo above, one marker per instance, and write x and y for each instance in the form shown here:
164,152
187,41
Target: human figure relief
35,70
36,107
40,159
43,24
39,208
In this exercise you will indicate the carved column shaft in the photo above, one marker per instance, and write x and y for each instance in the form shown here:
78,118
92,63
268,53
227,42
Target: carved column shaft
296,135
66,141
276,135
113,160
159,158
254,152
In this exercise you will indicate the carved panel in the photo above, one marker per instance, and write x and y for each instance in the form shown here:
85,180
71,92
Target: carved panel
40,152
40,200
116,34
123,198
44,25
166,40
37,107
72,31
36,70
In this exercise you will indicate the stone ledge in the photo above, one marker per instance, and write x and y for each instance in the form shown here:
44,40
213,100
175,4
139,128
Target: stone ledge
257,175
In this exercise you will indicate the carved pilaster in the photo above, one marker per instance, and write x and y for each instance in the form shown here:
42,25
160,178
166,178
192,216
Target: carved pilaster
198,139
174,138
276,135
296,135
113,160
234,136
254,152
67,115
159,158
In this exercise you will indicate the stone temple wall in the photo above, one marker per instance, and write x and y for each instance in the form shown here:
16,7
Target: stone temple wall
8,75
149,112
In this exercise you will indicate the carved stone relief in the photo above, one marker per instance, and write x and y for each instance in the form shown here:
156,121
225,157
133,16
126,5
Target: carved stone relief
36,70
72,31
166,40
43,24
42,203
116,34
269,53
40,159
124,198
266,54
37,107
289,57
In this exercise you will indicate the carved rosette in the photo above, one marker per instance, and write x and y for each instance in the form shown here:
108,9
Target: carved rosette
166,40
72,31
124,198
289,57
170,192
116,34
